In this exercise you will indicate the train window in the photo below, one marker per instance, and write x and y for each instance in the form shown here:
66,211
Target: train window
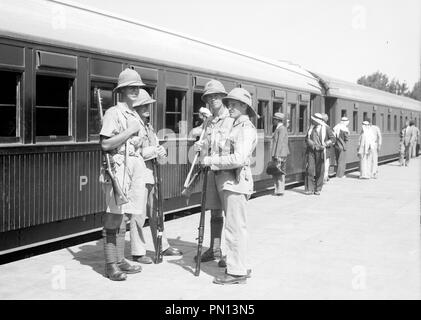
401,122
395,123
303,119
262,107
9,100
277,107
107,100
373,119
343,113
197,104
174,110
382,121
291,111
389,122
365,116
53,106
355,121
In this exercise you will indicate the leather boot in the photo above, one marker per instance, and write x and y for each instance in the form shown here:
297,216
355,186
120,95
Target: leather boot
113,272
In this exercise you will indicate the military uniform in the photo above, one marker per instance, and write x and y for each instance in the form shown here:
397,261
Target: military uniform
148,143
217,134
129,170
231,168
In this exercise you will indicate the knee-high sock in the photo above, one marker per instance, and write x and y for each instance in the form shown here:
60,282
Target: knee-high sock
121,242
110,245
216,224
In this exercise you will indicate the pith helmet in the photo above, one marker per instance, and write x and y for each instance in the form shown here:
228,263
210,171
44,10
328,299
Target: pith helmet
318,118
213,86
242,95
278,116
325,117
143,99
129,78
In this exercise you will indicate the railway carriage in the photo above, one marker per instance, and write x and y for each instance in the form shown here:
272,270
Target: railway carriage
386,110
53,58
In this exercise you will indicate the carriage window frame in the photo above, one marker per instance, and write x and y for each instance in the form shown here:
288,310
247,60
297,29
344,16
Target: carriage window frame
291,116
18,75
198,94
303,119
354,121
94,84
182,112
71,98
389,123
263,112
395,123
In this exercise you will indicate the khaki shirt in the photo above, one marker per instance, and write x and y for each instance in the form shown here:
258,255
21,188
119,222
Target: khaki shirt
115,122
236,154
218,132
148,144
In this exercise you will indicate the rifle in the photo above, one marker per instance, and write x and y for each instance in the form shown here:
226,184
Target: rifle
190,182
160,222
119,196
202,221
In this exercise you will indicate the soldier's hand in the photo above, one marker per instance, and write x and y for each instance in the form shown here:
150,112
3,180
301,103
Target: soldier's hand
198,146
133,125
160,150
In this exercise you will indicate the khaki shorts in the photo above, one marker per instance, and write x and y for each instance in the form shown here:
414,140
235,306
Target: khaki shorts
214,188
133,186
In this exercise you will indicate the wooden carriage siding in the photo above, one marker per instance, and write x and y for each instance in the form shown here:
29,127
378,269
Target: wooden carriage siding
44,195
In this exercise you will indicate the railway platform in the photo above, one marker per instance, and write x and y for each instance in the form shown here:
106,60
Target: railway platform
360,239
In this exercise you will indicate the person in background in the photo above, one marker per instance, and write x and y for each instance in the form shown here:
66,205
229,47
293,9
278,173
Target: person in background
317,139
410,139
280,151
341,132
402,145
329,151
375,155
367,144
414,152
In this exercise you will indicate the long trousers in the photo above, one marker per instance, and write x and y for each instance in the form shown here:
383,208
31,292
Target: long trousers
137,238
315,170
374,163
236,232
341,162
408,152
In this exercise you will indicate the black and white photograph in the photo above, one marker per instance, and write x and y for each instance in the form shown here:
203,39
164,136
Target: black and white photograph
220,151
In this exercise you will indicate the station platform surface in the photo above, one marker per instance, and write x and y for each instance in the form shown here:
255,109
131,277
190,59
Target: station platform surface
360,239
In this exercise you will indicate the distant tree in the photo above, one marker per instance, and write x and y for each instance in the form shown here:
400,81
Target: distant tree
380,81
416,91
376,80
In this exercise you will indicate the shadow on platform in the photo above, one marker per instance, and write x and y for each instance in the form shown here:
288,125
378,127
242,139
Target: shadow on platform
92,255
187,260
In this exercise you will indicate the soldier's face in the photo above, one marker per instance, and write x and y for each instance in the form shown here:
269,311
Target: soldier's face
236,108
130,93
214,100
143,111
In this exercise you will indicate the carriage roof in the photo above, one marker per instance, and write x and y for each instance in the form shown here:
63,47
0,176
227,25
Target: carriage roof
348,90
78,26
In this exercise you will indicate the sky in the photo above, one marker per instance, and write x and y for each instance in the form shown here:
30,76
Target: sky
343,39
